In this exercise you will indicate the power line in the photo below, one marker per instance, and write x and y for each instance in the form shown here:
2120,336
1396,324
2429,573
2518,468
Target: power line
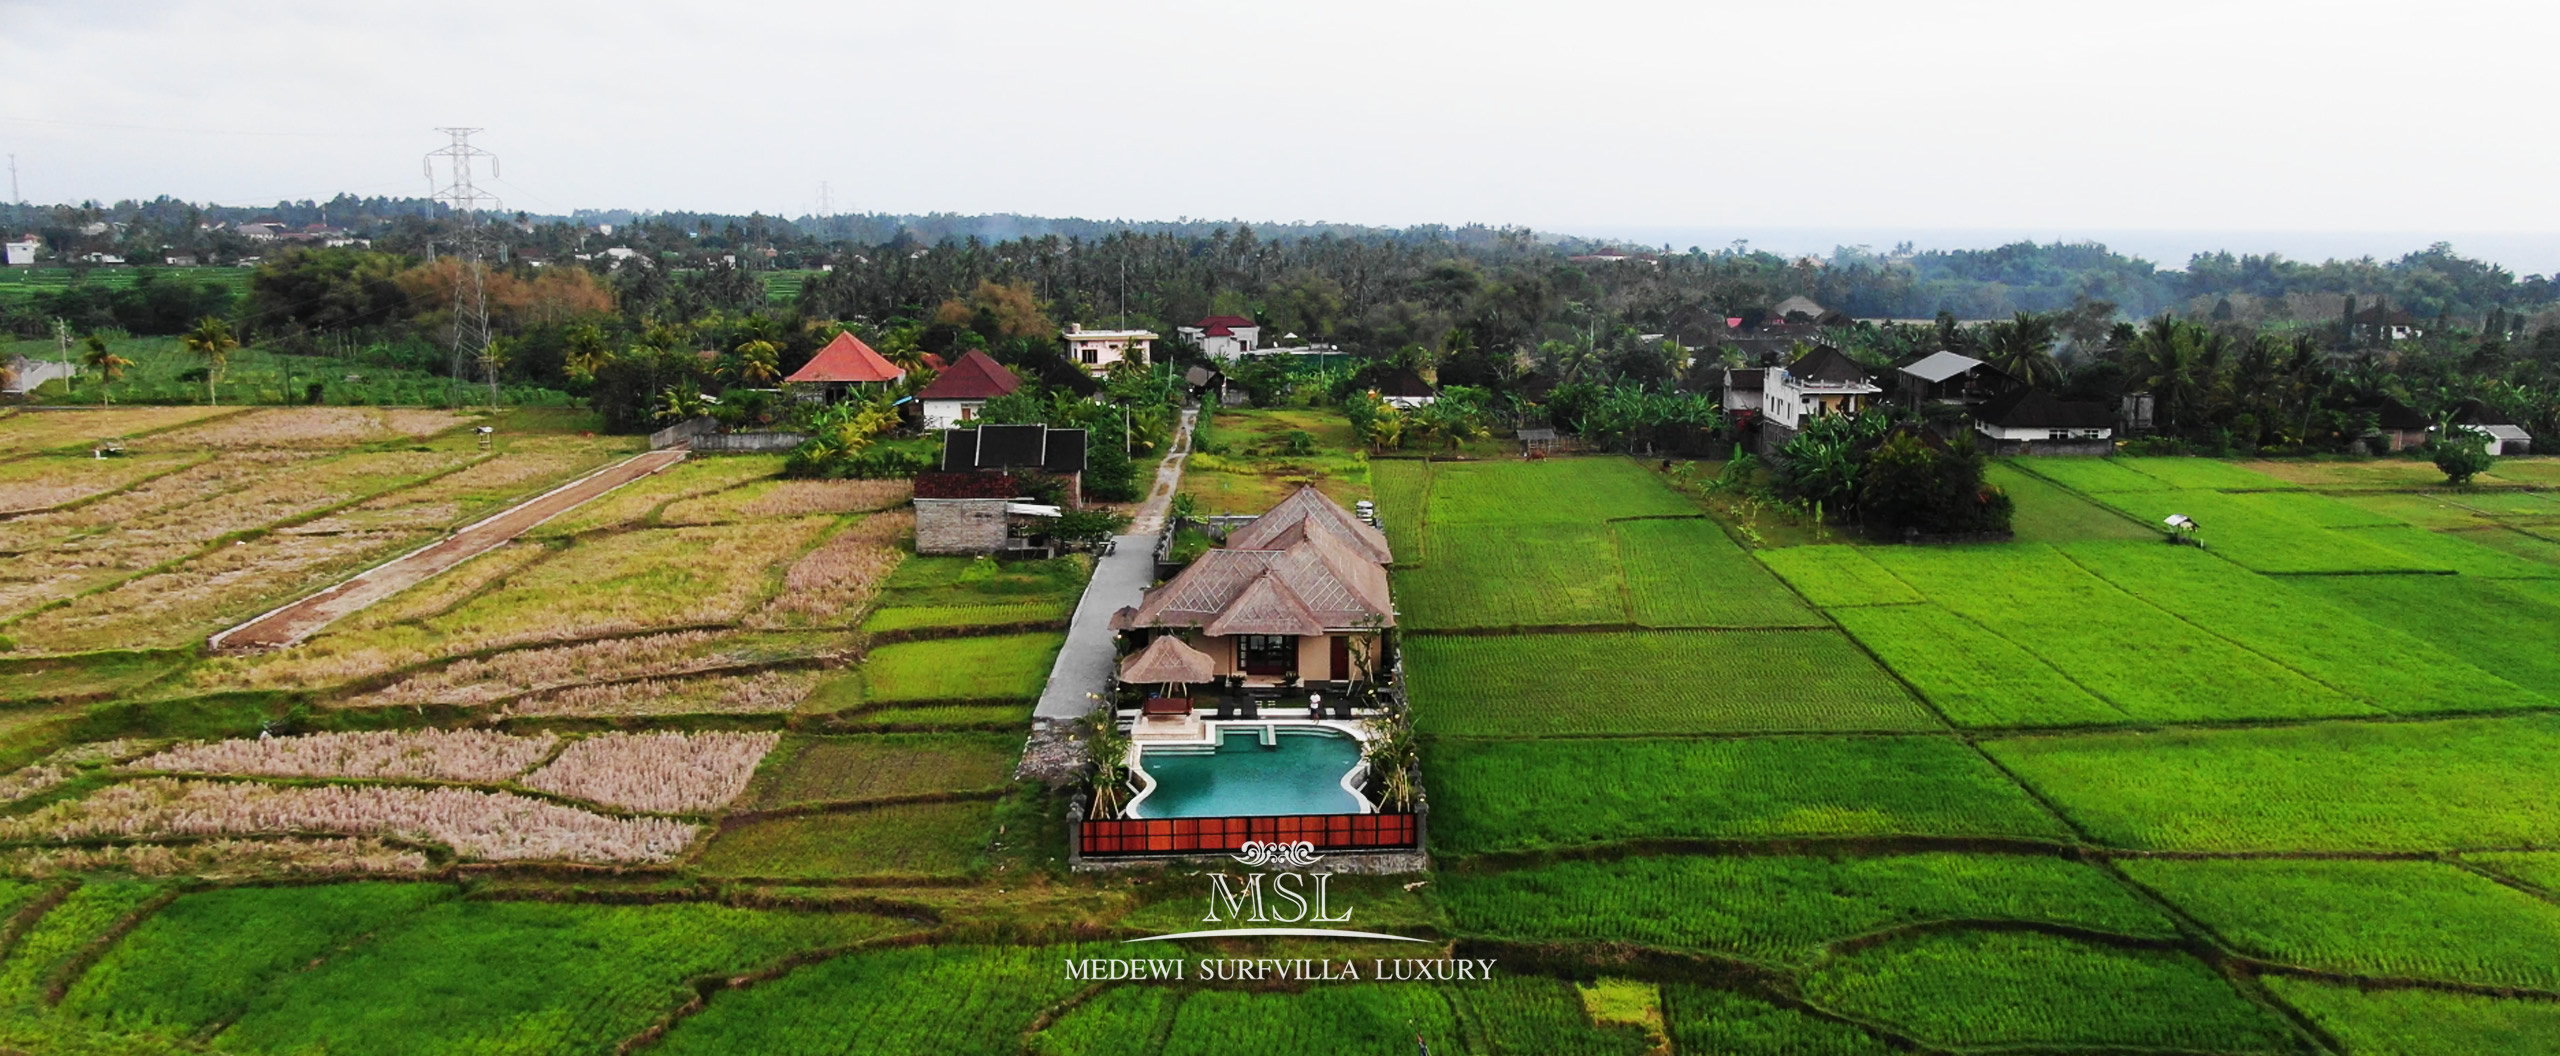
470,294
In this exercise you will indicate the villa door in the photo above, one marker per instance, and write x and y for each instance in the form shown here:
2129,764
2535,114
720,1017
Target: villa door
1341,657
1269,655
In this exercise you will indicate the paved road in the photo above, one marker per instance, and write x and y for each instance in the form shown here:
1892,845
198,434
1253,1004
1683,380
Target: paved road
295,622
1084,665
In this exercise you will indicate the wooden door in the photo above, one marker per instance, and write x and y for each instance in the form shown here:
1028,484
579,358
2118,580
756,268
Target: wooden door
1341,650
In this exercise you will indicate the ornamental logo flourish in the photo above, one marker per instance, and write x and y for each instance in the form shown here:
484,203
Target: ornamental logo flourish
1289,896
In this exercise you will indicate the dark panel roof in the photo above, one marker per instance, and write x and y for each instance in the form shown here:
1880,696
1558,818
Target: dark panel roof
1063,451
1010,445
959,450
1751,380
2038,409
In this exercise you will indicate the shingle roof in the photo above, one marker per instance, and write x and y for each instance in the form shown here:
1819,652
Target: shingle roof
2038,409
1216,321
1304,510
1318,574
1403,382
1939,366
1826,363
1750,380
847,359
977,376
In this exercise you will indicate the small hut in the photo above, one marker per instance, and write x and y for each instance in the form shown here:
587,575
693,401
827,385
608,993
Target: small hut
1175,666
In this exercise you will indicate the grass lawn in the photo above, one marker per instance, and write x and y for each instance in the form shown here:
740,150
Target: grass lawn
914,839
1522,795
1243,465
2444,785
1652,683
998,668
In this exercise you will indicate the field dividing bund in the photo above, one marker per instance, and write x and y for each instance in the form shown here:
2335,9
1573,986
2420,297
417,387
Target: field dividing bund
301,619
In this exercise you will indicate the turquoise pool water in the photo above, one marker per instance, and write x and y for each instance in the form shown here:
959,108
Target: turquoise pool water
1300,774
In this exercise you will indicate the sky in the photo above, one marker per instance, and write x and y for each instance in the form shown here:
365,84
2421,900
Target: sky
1870,120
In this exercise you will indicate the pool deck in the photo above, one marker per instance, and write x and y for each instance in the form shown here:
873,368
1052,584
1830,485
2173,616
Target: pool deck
1195,731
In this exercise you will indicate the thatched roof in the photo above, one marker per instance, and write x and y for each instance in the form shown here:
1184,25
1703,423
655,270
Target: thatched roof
1167,660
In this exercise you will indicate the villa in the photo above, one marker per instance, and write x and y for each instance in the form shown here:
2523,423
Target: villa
1224,337
961,390
1097,350
1287,631
1299,596
1819,384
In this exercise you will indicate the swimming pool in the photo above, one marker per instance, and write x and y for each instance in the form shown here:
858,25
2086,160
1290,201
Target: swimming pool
1299,771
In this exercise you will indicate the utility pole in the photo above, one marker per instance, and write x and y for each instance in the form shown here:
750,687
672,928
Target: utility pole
62,336
470,292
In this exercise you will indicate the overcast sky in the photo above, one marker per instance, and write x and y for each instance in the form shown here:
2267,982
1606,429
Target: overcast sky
1589,114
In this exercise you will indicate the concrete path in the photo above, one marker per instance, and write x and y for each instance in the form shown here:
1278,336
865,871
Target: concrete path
302,619
1084,666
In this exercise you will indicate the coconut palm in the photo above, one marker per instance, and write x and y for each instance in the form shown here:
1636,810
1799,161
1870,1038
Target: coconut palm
758,362
213,342
2023,347
110,366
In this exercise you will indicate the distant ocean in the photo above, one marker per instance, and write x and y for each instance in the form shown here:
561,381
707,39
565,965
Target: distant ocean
2525,253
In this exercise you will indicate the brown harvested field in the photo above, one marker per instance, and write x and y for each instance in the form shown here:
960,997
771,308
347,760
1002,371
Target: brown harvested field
699,476
480,756
665,772
764,692
204,594
837,579
790,498
490,826
337,658
30,485
526,468
47,430
310,427
301,619
222,859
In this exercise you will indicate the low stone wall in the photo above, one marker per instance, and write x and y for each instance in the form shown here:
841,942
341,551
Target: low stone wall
747,443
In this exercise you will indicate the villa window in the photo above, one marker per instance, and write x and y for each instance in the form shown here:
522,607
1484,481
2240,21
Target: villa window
1092,357
1267,654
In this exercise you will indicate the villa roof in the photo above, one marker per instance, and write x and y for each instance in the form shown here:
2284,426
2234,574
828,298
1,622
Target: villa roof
1939,366
977,376
1318,582
1798,303
1219,330
1266,606
2394,415
2038,409
1167,660
1828,364
847,359
1405,383
1307,510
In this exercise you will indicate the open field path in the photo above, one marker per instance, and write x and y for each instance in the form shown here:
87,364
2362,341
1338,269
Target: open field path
1083,667
302,619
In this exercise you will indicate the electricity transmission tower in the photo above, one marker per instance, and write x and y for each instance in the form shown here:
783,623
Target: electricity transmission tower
470,284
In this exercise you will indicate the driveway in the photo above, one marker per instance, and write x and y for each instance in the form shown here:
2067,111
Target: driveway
1084,666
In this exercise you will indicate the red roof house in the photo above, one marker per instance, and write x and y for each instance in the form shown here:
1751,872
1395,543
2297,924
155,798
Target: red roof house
847,361
962,389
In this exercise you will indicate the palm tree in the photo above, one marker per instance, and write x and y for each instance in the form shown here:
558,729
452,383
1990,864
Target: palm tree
110,366
2023,347
212,342
758,362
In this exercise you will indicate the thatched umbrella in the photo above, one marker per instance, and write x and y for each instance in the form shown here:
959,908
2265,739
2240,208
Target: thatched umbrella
1168,661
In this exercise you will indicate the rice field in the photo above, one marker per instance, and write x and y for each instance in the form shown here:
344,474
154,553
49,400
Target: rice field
812,770
1499,795
899,839
998,668
2024,988
487,826
2444,785
480,756
54,430
2388,919
1785,910
2424,1022
1652,683
1837,576
666,772
1970,673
